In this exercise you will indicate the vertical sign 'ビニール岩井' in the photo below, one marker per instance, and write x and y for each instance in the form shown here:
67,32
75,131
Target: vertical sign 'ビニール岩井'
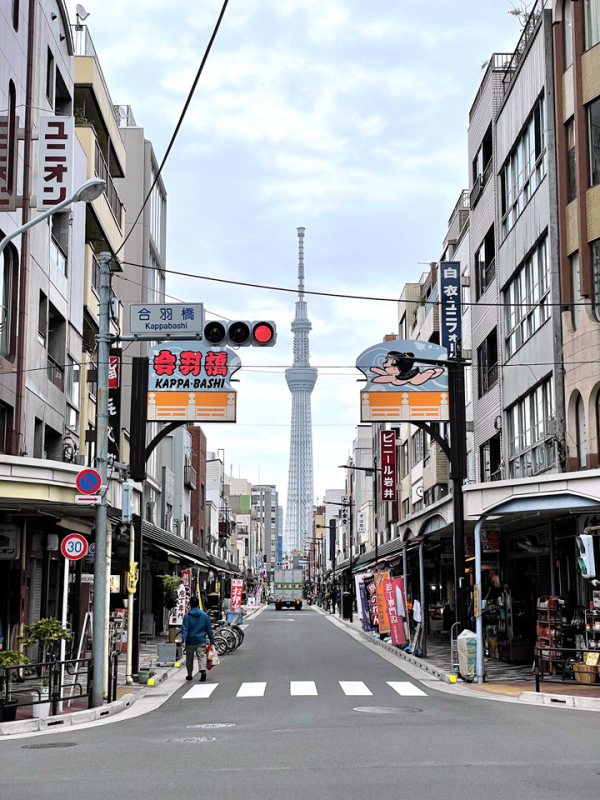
388,462
451,327
55,165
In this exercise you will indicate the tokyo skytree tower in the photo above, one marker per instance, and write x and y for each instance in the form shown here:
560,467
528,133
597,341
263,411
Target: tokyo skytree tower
301,379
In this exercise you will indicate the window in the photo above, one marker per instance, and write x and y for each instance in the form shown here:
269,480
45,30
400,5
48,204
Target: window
56,347
527,297
592,22
490,456
468,386
404,459
576,289
530,433
15,14
485,262
43,319
581,435
571,162
482,166
595,247
11,150
466,296
63,102
487,359
417,447
525,168
594,137
38,438
50,78
8,274
73,388
406,507
4,423
157,213
59,242
568,30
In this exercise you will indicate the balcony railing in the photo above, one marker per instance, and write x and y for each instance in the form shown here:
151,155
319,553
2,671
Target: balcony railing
526,36
84,46
190,476
476,191
56,373
101,170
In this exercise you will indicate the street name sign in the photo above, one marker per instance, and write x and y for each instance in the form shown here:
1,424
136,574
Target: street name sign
88,481
172,319
74,546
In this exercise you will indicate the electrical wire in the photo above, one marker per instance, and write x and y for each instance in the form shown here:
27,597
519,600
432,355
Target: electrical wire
170,296
179,121
370,298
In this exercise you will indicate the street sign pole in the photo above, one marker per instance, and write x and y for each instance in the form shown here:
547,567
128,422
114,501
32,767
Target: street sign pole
99,645
63,644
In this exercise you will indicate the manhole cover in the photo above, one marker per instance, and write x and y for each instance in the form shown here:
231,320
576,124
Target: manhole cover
213,725
48,745
192,739
388,709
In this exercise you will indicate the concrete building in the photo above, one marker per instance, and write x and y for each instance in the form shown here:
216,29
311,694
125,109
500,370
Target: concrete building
198,507
239,494
577,84
265,509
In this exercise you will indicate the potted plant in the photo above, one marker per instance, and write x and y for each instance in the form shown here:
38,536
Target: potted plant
10,658
47,634
42,710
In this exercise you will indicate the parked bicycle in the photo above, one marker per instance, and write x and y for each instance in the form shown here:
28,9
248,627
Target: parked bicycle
228,636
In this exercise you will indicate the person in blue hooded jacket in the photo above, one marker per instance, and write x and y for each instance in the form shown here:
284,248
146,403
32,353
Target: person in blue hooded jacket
196,630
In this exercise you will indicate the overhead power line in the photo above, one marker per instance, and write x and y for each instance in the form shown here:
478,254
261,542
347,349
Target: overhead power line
179,121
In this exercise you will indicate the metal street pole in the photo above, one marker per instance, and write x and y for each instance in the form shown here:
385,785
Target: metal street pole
100,574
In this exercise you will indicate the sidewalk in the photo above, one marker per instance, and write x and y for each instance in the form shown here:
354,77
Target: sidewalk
508,680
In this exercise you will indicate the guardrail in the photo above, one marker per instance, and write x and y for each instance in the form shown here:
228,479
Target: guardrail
46,682
564,665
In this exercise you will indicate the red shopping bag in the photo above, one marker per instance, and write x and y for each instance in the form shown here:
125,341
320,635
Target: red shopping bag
209,664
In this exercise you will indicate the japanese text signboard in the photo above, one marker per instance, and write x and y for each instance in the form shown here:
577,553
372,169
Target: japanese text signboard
237,586
174,319
400,388
190,381
382,609
114,403
393,592
388,466
451,322
371,590
55,164
183,599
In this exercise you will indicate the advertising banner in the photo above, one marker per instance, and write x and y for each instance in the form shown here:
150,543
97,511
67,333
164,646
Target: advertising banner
388,466
237,586
8,162
55,164
114,403
399,387
371,590
382,610
183,599
364,605
190,381
394,595
451,316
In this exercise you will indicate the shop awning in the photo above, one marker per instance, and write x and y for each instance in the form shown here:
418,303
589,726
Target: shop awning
175,546
223,566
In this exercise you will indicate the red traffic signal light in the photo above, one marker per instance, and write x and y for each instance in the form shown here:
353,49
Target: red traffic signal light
264,334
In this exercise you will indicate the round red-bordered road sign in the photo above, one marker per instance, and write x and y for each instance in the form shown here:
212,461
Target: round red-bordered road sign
74,546
88,481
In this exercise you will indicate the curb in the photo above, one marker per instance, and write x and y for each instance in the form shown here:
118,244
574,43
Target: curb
78,717
430,669
561,700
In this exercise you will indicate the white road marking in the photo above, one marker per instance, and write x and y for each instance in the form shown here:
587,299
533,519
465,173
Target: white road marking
252,689
280,620
303,689
406,689
355,688
200,692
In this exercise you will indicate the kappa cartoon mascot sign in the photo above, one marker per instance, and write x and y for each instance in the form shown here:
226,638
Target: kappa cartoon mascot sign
400,387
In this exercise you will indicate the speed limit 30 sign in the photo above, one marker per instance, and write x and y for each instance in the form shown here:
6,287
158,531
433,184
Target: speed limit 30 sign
74,546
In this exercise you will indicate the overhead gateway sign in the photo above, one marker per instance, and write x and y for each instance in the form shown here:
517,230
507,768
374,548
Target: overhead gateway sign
402,388
170,319
190,382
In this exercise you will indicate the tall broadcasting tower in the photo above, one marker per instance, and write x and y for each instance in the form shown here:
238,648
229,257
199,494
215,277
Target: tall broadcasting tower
301,379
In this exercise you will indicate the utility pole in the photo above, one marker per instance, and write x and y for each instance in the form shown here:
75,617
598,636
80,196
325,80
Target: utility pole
99,645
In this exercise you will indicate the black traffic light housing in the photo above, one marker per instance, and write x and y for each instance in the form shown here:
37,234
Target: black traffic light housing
240,333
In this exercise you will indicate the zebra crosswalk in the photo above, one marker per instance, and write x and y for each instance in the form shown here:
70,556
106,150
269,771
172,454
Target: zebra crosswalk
203,691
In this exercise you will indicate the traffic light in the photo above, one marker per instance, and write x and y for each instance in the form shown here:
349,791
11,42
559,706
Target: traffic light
241,333
264,334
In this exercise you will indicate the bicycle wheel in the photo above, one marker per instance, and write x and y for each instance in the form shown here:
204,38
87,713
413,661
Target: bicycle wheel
220,645
230,638
239,635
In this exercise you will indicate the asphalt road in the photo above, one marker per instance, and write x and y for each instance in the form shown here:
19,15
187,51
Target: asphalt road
284,746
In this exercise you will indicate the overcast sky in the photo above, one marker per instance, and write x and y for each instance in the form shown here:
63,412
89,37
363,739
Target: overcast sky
348,117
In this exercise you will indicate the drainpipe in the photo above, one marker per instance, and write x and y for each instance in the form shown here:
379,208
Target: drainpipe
18,432
479,672
423,612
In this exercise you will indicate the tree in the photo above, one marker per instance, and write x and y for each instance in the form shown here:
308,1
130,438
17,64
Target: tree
521,11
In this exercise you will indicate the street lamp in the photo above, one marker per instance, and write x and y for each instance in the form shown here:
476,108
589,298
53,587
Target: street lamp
86,193
374,470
